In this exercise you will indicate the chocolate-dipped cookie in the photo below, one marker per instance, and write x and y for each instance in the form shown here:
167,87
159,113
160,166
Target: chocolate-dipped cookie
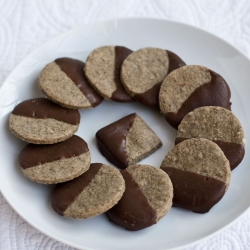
144,70
41,121
200,174
90,194
127,141
218,125
102,69
147,198
191,87
63,82
51,164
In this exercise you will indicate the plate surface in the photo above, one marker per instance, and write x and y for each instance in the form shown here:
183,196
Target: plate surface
178,228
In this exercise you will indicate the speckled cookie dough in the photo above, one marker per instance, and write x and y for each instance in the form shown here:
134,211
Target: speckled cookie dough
191,87
90,194
51,164
127,141
144,70
200,174
64,83
40,121
102,69
147,198
218,125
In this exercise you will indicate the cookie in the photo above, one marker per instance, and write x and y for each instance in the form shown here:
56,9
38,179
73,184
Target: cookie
40,121
200,174
64,83
51,164
147,198
102,69
144,70
90,194
218,125
191,87
127,141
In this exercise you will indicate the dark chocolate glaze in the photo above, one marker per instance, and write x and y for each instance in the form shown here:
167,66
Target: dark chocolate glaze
65,193
133,211
111,141
42,108
233,151
120,94
34,155
214,93
74,70
150,97
193,191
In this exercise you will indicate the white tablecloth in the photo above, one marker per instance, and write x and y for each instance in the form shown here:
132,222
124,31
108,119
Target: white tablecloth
24,25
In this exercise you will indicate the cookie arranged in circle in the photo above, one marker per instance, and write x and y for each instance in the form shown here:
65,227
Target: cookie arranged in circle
200,174
41,121
60,162
191,87
144,70
147,198
127,141
218,125
102,69
63,82
90,194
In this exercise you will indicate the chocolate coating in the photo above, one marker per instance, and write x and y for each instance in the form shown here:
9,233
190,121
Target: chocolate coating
193,191
120,94
133,211
214,93
111,141
74,70
65,193
42,108
233,151
175,61
34,155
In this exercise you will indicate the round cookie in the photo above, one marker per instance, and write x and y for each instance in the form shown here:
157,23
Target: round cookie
144,70
200,174
90,194
51,164
40,121
102,69
64,83
147,198
218,125
191,87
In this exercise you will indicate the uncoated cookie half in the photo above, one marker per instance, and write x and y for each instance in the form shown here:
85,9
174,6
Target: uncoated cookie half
147,198
51,164
41,121
144,70
200,174
64,83
102,69
90,194
218,125
191,87
127,141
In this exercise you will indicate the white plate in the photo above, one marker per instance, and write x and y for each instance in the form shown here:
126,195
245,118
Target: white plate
179,227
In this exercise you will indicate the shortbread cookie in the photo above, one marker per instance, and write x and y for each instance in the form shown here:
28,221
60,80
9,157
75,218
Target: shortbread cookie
200,174
144,70
191,87
218,125
90,194
102,69
40,121
127,141
63,82
147,198
51,164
